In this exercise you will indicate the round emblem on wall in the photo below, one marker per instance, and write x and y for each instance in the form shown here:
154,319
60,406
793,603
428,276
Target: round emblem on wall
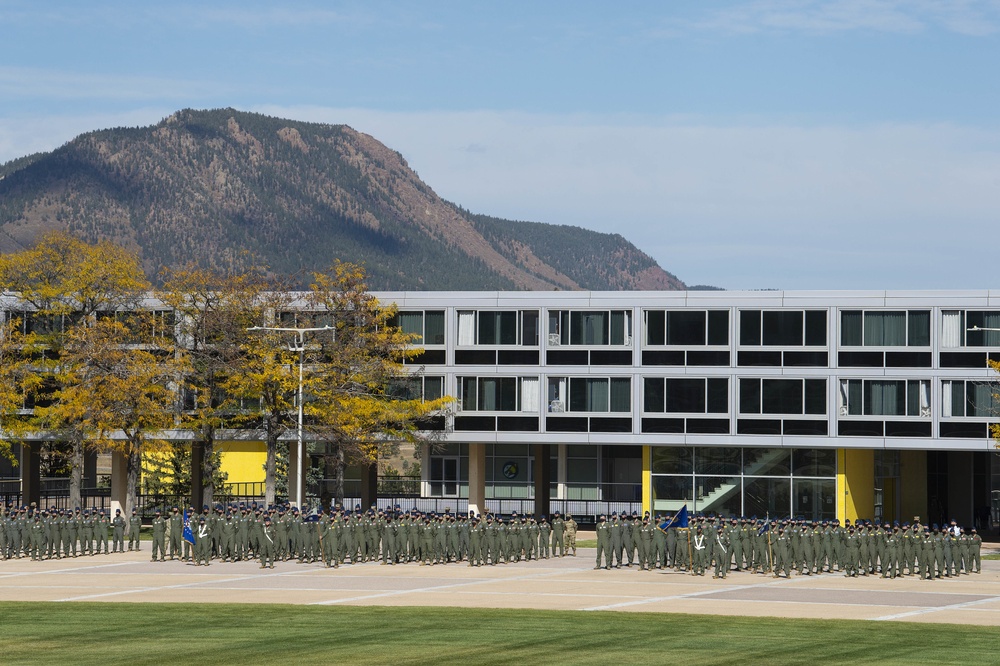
510,470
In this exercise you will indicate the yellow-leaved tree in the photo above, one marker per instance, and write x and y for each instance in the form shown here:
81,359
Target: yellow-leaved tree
62,284
213,313
361,398
117,387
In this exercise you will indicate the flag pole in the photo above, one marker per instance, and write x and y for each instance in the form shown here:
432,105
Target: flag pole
770,551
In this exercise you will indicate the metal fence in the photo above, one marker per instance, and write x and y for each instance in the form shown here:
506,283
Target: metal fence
585,502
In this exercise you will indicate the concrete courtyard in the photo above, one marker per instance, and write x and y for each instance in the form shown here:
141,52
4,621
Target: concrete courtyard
568,583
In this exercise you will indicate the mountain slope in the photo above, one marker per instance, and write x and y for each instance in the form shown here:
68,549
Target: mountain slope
224,188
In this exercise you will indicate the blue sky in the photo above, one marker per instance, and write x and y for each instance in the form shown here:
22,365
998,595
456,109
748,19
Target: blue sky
789,144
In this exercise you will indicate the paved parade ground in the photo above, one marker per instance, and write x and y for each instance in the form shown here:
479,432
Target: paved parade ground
568,583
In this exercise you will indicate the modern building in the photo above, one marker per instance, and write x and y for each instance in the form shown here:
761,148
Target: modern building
819,404
826,404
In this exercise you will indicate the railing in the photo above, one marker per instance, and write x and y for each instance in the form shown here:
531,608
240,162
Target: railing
584,501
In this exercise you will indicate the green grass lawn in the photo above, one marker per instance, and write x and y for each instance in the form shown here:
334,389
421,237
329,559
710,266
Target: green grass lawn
111,633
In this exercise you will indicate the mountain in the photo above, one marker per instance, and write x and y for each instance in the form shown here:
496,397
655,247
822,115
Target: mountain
222,188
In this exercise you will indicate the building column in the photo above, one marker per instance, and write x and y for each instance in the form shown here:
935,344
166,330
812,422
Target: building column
913,482
30,466
477,478
369,486
197,475
855,484
543,474
960,504
562,471
119,481
294,471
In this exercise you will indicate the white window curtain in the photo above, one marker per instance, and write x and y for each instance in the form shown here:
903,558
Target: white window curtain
946,399
843,400
529,394
951,329
466,328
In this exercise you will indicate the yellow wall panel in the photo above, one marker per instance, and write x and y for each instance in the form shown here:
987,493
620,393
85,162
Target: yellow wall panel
855,484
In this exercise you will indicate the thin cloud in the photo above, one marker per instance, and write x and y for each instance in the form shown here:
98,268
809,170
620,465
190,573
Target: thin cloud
36,83
969,17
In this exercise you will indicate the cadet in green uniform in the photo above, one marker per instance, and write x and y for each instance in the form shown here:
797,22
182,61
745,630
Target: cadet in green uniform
603,543
159,536
118,532
558,526
134,528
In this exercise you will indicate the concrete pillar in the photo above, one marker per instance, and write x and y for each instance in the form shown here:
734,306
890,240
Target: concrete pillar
369,486
294,470
477,478
197,475
562,471
543,472
119,481
31,481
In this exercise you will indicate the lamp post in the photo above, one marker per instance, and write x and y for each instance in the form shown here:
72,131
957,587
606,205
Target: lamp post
300,347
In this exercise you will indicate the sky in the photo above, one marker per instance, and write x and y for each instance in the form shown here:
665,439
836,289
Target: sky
767,144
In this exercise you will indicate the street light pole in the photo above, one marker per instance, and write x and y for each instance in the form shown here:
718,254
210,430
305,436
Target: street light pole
300,347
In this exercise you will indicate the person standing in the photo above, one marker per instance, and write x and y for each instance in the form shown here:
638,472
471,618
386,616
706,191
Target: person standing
570,534
544,538
975,551
267,545
159,536
603,543
176,530
134,528
646,536
558,528
118,533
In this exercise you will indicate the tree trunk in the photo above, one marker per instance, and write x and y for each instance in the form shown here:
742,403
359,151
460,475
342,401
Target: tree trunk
133,465
76,474
338,474
208,471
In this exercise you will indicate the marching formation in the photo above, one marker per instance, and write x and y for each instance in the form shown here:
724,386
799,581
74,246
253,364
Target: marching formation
51,534
780,547
334,538
338,536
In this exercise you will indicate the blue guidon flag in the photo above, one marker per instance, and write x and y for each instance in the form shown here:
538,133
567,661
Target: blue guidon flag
679,520
188,534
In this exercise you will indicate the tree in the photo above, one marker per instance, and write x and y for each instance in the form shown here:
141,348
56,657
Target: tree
213,313
266,382
17,380
63,283
356,374
118,393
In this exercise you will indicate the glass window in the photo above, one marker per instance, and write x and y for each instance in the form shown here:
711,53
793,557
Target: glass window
814,462
885,328
672,460
670,493
719,494
656,327
982,320
764,497
767,462
718,461
815,499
